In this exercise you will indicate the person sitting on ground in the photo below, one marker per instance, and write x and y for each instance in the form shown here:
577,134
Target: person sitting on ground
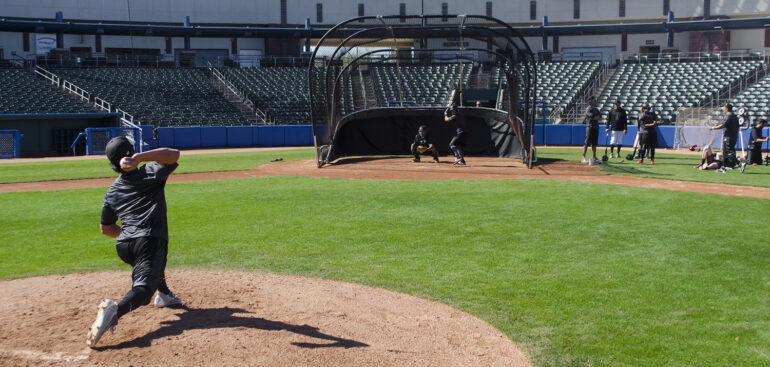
710,161
422,145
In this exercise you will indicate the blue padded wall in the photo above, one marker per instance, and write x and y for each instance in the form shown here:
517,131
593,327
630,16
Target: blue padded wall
558,134
213,136
187,137
271,135
165,137
298,135
539,132
578,134
240,136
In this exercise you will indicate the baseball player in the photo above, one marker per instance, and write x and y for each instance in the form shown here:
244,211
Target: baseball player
457,144
730,124
755,143
592,131
137,198
648,138
423,145
617,122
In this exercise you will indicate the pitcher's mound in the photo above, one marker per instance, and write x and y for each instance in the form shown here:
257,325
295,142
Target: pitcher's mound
240,318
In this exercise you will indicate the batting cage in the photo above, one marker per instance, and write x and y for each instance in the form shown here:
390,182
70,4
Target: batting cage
374,80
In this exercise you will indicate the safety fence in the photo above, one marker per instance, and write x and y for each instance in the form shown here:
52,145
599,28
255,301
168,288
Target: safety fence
10,143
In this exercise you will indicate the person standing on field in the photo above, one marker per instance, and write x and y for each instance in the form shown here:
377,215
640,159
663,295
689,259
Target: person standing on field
592,131
617,123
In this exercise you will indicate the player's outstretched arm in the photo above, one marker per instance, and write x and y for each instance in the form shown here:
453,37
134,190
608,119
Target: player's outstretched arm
160,155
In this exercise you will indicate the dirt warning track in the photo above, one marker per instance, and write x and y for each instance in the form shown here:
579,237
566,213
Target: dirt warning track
400,168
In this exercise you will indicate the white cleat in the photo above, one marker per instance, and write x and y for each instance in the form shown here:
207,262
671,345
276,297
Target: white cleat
166,300
583,160
106,319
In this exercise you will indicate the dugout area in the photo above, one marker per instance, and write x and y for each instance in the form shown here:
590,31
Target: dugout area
387,125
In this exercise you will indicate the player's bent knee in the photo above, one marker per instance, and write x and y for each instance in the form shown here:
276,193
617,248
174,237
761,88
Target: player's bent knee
142,295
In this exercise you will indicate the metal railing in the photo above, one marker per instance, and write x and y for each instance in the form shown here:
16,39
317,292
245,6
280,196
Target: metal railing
74,89
51,77
716,56
221,80
102,104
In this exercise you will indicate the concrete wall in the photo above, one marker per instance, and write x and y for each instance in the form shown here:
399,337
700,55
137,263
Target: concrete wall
267,12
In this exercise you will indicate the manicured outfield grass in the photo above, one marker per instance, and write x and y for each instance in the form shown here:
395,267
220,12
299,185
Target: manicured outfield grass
94,168
578,274
671,166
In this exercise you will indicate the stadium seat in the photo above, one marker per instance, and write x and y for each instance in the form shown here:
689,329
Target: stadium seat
22,92
159,96
670,86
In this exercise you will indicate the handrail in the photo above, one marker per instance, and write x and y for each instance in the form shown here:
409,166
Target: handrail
219,77
53,78
102,104
362,82
74,89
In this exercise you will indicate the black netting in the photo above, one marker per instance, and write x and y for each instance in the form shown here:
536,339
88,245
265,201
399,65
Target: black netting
420,61
7,144
99,139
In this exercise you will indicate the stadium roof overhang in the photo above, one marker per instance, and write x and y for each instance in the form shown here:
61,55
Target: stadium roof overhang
10,25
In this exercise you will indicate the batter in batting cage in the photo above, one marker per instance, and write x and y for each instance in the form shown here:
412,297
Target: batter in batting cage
137,198
415,74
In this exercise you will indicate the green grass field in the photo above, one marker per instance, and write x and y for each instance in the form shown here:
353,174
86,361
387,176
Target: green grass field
188,163
577,274
668,166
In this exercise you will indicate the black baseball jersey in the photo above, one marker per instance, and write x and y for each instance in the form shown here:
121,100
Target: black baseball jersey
591,114
420,140
756,133
646,119
730,123
138,198
458,120
617,120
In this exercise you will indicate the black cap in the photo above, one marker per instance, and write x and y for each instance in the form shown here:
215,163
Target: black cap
729,106
762,122
118,148
423,128
617,102
646,107
591,98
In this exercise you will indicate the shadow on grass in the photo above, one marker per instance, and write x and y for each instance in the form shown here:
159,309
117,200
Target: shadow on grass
219,318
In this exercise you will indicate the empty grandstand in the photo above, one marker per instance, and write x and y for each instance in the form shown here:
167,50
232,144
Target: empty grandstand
22,92
756,99
426,85
281,92
561,84
159,96
668,86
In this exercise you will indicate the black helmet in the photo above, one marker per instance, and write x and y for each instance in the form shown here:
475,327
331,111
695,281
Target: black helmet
423,128
646,107
118,148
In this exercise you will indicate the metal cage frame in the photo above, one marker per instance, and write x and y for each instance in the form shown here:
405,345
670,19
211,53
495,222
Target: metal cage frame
511,53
